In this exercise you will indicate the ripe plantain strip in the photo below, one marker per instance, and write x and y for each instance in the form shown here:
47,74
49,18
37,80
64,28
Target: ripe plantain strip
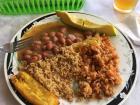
31,90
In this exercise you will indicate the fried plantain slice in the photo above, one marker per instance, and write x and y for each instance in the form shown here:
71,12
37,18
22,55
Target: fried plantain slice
31,90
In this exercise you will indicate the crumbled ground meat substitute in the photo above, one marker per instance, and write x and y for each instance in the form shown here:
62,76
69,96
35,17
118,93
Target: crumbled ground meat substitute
94,67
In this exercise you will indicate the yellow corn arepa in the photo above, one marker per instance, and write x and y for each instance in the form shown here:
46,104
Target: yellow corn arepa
30,89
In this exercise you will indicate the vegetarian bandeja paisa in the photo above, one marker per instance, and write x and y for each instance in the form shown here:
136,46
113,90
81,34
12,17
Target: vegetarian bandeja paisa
67,61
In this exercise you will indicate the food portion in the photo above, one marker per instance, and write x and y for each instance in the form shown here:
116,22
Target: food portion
69,62
49,40
92,65
99,75
35,93
56,73
85,24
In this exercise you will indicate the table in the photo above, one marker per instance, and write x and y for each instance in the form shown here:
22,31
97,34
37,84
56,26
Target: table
9,25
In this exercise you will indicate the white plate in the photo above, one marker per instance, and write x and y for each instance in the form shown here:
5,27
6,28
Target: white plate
128,68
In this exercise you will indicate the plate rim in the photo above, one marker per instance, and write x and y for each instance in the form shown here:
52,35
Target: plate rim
53,13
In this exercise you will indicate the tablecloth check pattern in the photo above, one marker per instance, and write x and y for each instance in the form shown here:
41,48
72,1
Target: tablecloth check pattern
9,25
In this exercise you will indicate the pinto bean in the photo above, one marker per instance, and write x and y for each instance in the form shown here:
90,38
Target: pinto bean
71,37
45,38
62,40
59,34
27,57
34,58
54,39
49,45
52,34
68,41
63,30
